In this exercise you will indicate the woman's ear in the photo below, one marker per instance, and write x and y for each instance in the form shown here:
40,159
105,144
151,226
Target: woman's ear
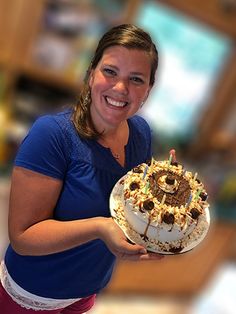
91,77
147,94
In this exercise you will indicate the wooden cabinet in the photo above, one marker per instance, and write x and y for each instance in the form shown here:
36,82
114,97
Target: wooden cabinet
220,14
217,130
49,43
45,48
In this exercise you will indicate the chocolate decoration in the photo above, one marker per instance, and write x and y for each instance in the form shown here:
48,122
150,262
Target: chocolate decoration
176,249
168,218
148,205
174,163
137,169
140,208
179,197
134,186
195,213
148,162
170,180
203,196
144,237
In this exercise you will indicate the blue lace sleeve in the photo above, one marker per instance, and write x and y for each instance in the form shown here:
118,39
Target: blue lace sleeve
44,149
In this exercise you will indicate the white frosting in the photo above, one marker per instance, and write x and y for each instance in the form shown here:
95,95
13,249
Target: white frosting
149,223
157,229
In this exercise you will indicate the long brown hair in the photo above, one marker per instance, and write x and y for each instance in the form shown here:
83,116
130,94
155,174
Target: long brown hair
128,36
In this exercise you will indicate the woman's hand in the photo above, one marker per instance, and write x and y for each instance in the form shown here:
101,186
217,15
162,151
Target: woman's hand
117,243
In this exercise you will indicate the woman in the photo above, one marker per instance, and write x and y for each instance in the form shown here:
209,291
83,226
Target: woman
63,240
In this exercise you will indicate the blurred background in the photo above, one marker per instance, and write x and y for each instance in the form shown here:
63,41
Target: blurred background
45,49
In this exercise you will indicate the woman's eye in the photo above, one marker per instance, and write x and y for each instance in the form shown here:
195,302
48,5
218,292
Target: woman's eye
109,72
137,80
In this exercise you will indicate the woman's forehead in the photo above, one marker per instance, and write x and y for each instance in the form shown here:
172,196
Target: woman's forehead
122,56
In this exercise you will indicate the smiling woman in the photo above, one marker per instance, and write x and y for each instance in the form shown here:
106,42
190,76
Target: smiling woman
60,226
125,56
118,93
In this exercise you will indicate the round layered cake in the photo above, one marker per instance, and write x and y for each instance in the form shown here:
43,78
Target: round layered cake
163,207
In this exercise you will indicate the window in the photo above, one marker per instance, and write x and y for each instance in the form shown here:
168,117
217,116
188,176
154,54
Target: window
191,59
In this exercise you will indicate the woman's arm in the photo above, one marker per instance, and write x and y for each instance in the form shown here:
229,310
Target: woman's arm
33,231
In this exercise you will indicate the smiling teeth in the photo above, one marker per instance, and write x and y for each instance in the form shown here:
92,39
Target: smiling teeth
116,103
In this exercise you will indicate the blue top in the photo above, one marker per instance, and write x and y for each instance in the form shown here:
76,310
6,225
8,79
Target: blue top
89,172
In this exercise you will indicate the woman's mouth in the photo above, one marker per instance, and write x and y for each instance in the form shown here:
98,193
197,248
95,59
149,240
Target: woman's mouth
116,103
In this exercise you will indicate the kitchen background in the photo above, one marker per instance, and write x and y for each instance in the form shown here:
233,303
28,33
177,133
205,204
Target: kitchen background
45,48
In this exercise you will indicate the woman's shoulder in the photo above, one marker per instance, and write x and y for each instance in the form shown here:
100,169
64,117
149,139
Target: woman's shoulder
139,125
62,119
45,148
52,129
52,120
138,120
57,125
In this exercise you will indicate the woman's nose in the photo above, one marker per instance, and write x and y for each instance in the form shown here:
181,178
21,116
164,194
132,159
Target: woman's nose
122,86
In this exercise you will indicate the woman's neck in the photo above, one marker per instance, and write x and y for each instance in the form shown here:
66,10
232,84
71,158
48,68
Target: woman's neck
116,133
116,140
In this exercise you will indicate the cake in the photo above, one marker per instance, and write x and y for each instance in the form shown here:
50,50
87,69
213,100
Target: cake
163,206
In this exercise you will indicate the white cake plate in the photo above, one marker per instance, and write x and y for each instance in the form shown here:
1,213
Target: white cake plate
187,244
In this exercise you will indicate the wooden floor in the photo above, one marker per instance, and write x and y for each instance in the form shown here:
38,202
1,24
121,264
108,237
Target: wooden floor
139,305
184,274
217,297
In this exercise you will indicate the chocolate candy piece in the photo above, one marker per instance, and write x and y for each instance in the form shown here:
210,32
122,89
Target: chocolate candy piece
134,186
203,196
137,170
148,205
174,163
194,213
170,180
168,218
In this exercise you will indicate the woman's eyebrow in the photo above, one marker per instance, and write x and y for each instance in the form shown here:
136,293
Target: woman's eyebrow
138,73
110,65
116,68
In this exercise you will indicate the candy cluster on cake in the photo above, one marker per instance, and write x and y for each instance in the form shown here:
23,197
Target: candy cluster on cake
164,206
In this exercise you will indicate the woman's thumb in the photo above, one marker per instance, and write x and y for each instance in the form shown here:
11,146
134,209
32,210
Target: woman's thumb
133,248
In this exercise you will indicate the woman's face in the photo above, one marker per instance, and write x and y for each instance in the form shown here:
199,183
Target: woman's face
119,84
